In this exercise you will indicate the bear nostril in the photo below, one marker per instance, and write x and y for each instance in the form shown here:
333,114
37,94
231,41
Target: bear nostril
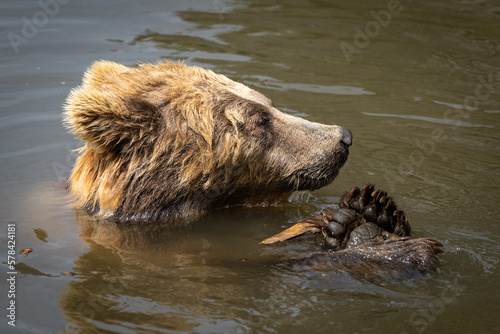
346,136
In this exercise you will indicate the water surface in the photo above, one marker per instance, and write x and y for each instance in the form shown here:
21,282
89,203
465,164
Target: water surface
420,94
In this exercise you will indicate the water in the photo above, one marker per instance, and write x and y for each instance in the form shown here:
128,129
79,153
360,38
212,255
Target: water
420,94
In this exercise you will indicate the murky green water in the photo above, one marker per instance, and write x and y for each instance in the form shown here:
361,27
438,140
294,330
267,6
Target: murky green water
419,89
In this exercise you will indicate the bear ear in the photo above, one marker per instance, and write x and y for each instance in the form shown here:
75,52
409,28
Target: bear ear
107,111
103,73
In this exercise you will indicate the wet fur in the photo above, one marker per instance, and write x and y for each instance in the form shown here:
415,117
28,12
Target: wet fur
170,141
393,252
393,257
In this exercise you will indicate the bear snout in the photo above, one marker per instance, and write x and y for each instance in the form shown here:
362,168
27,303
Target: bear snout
346,137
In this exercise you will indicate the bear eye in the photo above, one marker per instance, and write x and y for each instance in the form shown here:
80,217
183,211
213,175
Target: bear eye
263,120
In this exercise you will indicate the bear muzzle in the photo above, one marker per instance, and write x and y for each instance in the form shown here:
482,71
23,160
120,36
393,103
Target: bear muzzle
346,137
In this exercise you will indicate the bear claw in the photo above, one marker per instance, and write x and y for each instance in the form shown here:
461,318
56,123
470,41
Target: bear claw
378,208
368,225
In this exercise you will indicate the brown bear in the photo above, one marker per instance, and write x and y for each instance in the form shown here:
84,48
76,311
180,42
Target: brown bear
169,141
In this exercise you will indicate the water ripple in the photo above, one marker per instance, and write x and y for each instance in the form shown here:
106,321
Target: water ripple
336,89
431,120
12,120
31,150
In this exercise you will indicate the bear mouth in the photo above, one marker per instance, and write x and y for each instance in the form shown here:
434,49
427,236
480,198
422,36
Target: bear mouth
320,173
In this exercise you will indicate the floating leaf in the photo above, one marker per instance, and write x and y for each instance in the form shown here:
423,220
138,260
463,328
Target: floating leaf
25,251
27,270
41,234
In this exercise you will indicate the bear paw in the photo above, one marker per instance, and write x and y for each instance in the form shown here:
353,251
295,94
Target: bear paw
367,234
378,208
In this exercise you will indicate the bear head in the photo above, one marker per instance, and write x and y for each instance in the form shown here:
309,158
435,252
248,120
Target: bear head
173,141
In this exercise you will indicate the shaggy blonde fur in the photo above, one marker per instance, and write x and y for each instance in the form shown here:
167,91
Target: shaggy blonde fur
170,140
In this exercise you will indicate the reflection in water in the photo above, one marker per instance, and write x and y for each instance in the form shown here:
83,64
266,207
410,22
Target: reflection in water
141,277
152,277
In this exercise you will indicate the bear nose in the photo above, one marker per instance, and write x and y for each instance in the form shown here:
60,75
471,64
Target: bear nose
346,136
